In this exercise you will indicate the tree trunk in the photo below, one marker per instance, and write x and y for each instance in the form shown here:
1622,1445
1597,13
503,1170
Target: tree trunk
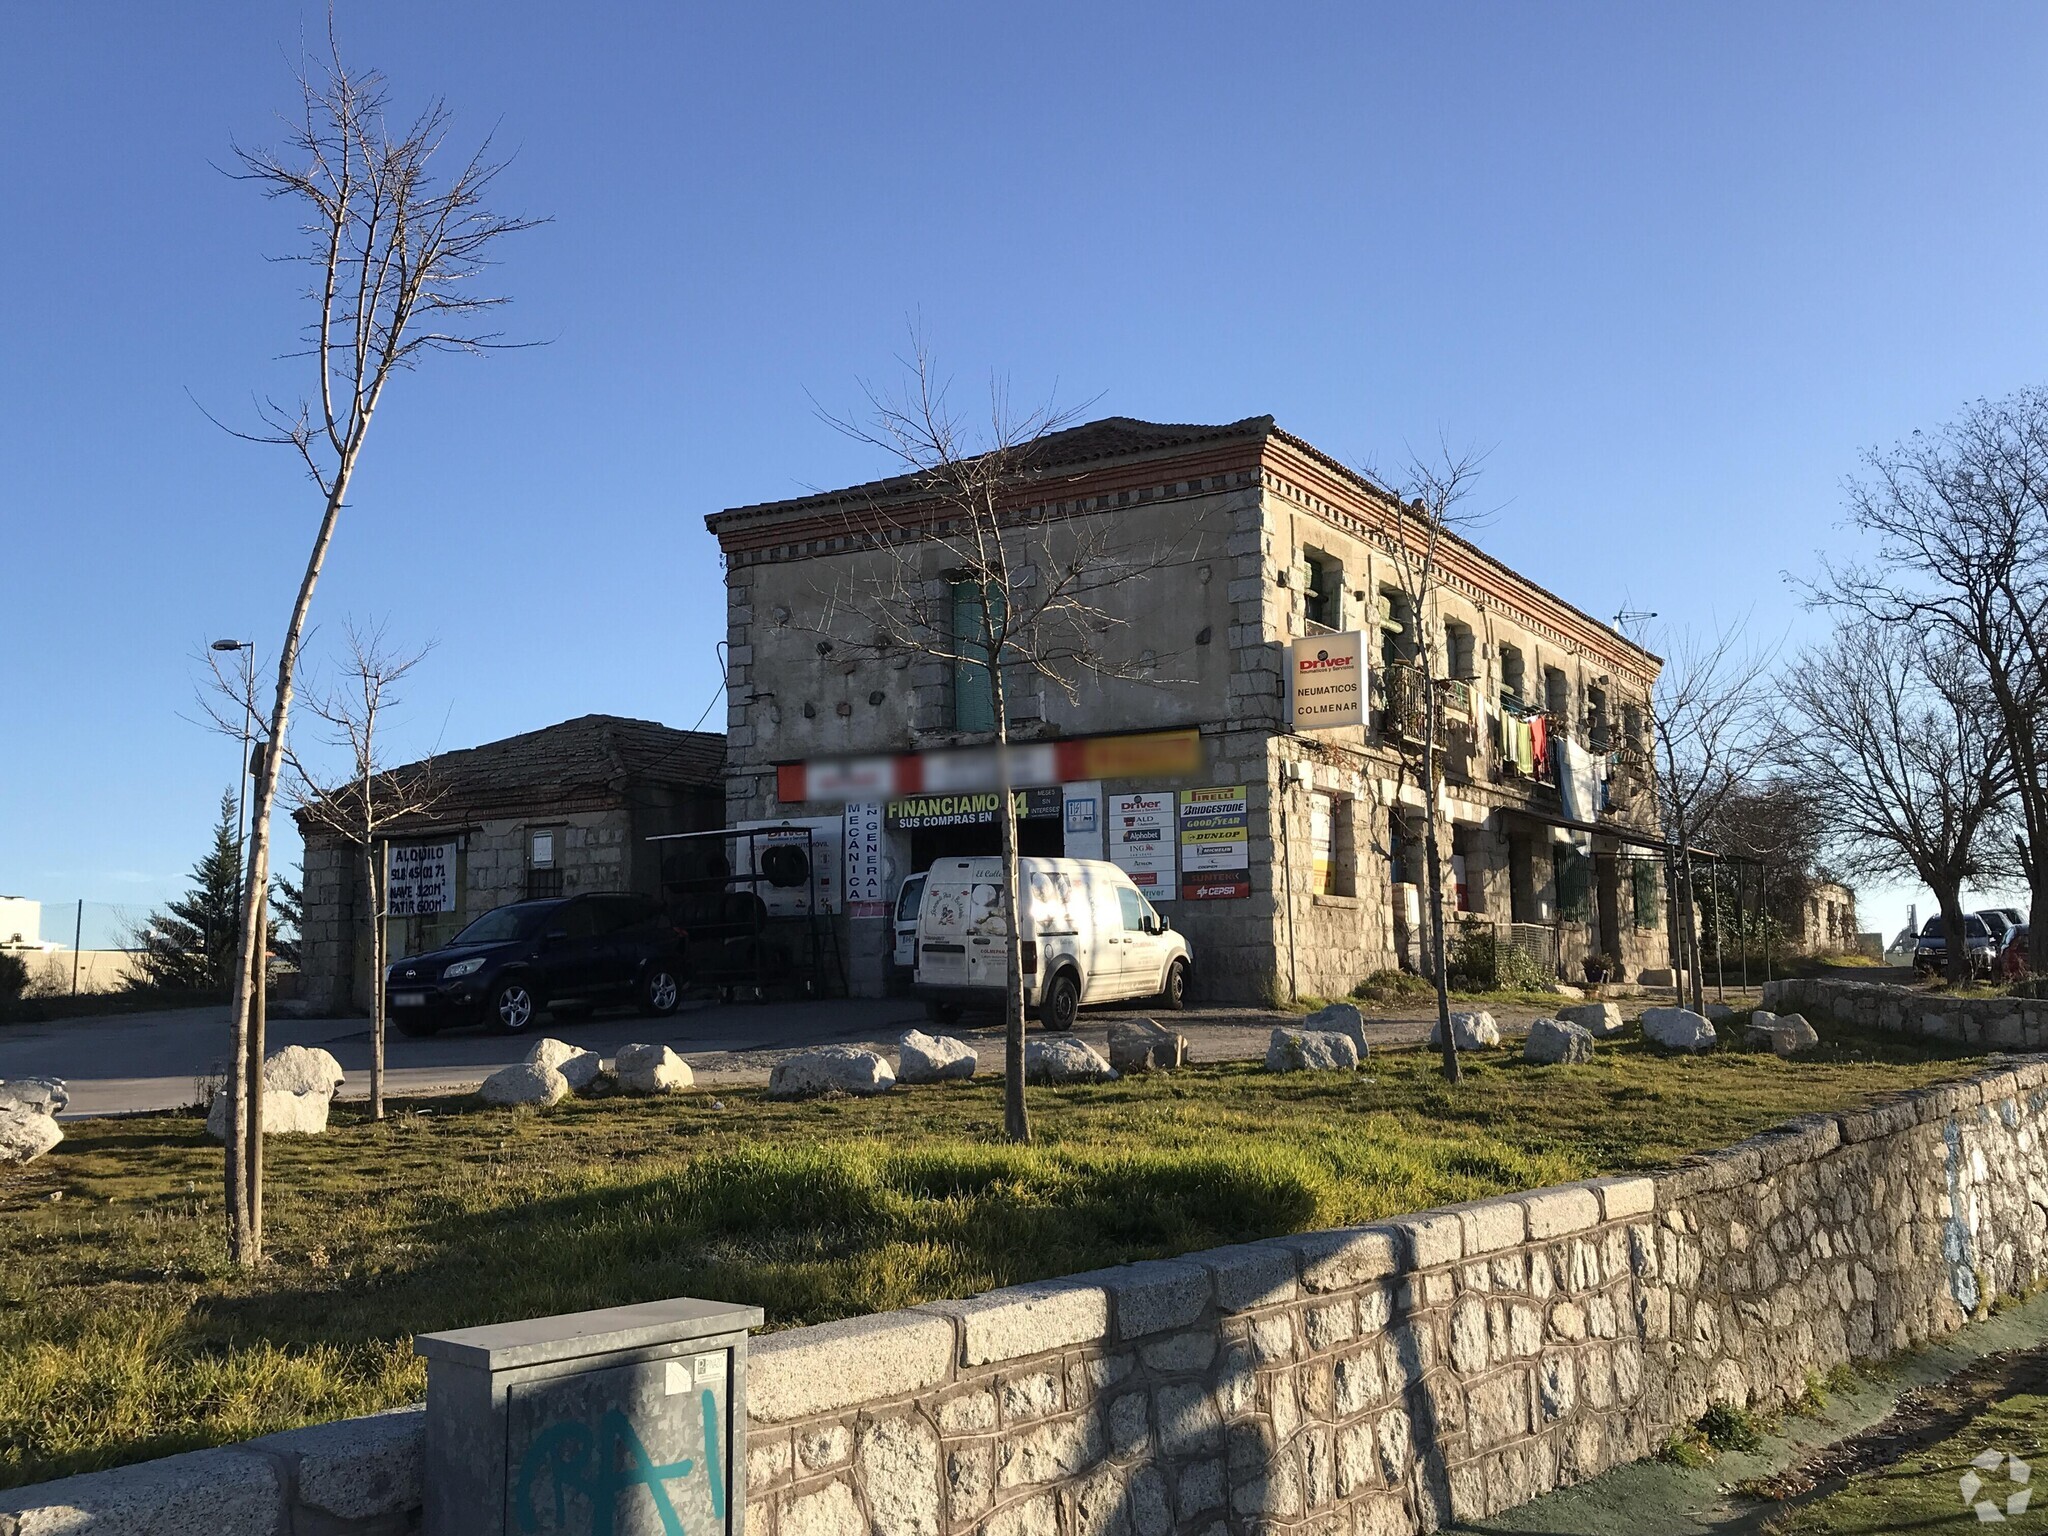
245,1240
1439,965
1016,1121
1689,937
1955,935
374,885
252,1149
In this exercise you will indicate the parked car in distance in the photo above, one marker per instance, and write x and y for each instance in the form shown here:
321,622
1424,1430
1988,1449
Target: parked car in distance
1930,954
1088,936
567,955
903,926
1998,920
2012,954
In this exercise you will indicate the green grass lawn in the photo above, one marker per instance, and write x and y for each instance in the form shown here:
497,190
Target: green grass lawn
125,1335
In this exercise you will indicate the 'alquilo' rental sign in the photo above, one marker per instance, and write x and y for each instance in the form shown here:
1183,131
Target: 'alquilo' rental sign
1326,681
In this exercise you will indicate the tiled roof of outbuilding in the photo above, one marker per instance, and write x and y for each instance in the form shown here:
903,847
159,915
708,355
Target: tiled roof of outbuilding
581,764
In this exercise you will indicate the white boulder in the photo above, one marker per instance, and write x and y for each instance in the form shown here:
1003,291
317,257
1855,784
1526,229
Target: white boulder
1553,1040
525,1082
923,1058
1469,1031
830,1069
301,1069
579,1068
1064,1059
1600,1020
1343,1019
1311,1050
47,1095
1678,1029
1142,1045
651,1069
1782,1035
299,1083
26,1133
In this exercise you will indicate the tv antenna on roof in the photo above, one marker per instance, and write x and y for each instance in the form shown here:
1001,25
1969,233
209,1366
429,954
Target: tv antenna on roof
1628,616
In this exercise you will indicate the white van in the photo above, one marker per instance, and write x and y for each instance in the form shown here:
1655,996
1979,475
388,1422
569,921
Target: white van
1090,936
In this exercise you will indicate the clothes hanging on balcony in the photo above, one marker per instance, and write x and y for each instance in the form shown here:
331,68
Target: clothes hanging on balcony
1517,743
1539,744
1577,787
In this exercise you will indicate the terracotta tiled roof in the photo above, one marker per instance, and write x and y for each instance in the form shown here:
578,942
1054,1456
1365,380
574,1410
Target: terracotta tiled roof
1113,437
581,764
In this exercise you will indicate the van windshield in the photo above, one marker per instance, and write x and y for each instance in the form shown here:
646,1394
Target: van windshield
907,899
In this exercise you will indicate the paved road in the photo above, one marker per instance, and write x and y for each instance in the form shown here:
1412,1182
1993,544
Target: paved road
147,1061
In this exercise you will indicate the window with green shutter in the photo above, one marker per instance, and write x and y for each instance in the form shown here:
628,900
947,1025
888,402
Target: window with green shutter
974,698
1574,875
1648,887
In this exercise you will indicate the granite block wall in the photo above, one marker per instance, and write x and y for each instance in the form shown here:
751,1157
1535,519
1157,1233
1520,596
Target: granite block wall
1997,1023
1377,1380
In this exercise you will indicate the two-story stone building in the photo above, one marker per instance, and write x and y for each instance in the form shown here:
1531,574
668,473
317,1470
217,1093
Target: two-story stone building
1291,857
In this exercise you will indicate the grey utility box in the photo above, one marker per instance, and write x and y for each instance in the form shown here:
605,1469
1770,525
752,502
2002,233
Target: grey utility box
619,1422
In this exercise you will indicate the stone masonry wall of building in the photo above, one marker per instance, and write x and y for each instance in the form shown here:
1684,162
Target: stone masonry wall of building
1384,1379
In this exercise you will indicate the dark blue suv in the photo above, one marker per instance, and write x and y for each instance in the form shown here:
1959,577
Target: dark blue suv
567,955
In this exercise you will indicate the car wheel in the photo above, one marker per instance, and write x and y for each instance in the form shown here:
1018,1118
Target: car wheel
942,1013
512,1009
1174,994
414,1028
1061,1005
661,991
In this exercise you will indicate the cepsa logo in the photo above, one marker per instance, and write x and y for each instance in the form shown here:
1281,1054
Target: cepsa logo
1323,661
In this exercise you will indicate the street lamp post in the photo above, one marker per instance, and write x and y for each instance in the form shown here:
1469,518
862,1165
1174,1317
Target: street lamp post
248,730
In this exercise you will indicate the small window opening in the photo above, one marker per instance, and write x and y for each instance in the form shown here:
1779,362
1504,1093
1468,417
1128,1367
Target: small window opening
1323,597
1557,693
1513,678
1461,651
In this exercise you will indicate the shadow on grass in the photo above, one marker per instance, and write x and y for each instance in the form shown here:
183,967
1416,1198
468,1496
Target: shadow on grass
807,1234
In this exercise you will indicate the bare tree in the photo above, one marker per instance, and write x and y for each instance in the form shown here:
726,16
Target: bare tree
1715,726
1430,503
1893,734
394,258
967,532
1960,519
362,807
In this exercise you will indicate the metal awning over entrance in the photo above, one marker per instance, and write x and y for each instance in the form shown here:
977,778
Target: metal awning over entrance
1620,834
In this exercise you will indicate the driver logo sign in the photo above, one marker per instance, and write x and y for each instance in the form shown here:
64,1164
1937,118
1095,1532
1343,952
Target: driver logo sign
1141,841
1326,681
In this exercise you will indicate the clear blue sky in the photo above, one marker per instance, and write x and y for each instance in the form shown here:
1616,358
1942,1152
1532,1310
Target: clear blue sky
1674,264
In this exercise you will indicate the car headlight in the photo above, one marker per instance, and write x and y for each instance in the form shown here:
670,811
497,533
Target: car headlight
463,968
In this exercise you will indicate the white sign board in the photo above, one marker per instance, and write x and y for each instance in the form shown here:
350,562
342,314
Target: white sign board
419,878
866,895
1326,681
1142,841
826,844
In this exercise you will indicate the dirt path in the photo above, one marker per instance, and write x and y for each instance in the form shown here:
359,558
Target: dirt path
1868,1427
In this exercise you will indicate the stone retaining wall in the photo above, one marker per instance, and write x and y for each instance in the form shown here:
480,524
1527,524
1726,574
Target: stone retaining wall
1998,1023
1349,1383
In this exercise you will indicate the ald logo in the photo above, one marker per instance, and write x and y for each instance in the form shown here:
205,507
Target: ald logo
575,1475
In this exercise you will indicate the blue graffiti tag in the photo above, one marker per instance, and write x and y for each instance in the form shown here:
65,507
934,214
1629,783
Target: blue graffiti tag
602,1464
